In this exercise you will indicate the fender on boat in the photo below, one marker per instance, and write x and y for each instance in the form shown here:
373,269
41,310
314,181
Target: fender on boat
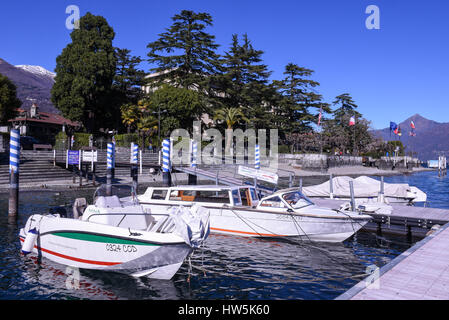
29,242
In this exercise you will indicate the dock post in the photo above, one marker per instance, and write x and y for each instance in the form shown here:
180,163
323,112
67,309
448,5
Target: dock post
134,162
109,166
351,190
140,162
166,176
193,164
290,180
14,161
300,185
257,157
381,193
80,166
331,187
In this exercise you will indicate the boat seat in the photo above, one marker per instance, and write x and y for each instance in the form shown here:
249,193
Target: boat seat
108,202
78,208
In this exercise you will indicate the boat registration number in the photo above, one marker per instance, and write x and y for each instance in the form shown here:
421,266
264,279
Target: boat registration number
287,217
120,247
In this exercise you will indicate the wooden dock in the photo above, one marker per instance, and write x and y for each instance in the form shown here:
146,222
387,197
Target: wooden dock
420,273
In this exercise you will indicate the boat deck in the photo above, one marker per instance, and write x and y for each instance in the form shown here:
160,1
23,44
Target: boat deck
420,273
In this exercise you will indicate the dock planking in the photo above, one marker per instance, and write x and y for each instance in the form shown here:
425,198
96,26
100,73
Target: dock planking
420,273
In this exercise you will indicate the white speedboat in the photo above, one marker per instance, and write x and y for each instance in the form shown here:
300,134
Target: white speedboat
366,189
120,236
237,210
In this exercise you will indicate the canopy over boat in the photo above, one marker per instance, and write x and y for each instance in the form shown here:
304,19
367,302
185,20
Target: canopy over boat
363,187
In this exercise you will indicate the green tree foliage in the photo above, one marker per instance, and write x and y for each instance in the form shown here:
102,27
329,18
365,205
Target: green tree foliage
229,117
297,97
185,53
128,79
84,74
178,108
338,135
244,82
8,100
346,109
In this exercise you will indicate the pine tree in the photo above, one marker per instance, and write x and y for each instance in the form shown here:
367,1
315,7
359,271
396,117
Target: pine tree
8,100
347,109
84,73
189,57
297,97
244,82
128,79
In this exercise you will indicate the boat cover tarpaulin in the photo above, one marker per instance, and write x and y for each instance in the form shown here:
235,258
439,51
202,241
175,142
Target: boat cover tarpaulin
363,187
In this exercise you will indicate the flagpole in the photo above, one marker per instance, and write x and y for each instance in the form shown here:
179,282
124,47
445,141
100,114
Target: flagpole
353,136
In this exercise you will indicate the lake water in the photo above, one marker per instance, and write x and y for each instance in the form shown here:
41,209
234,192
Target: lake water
227,267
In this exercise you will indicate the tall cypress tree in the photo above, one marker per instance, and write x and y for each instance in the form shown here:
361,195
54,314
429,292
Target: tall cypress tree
84,73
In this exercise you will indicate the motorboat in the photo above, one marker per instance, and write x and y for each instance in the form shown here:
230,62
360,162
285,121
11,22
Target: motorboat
366,189
237,210
117,235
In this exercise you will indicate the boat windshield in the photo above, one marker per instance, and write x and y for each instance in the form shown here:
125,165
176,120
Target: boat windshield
296,199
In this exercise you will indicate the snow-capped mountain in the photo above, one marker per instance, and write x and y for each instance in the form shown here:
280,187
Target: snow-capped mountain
37,70
33,84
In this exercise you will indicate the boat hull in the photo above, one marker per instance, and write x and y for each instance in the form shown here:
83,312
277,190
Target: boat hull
94,246
325,227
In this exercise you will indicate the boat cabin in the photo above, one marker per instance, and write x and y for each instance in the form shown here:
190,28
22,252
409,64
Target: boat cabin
207,194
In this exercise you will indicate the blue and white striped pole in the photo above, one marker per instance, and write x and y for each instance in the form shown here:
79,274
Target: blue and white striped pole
192,179
109,167
257,157
134,161
193,163
166,176
14,161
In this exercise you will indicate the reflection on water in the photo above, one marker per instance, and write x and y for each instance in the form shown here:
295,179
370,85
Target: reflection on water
227,267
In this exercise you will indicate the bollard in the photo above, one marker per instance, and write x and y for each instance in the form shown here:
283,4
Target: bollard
14,161
166,176
257,157
109,166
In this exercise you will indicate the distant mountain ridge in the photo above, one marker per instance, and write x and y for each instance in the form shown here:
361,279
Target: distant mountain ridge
431,140
33,84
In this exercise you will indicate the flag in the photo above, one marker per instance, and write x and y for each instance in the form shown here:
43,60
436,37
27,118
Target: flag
399,133
352,121
412,130
319,117
393,127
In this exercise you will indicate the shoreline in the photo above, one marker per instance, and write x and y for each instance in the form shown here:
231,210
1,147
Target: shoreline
350,171
156,180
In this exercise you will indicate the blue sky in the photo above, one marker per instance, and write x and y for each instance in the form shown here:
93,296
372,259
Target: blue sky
391,73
